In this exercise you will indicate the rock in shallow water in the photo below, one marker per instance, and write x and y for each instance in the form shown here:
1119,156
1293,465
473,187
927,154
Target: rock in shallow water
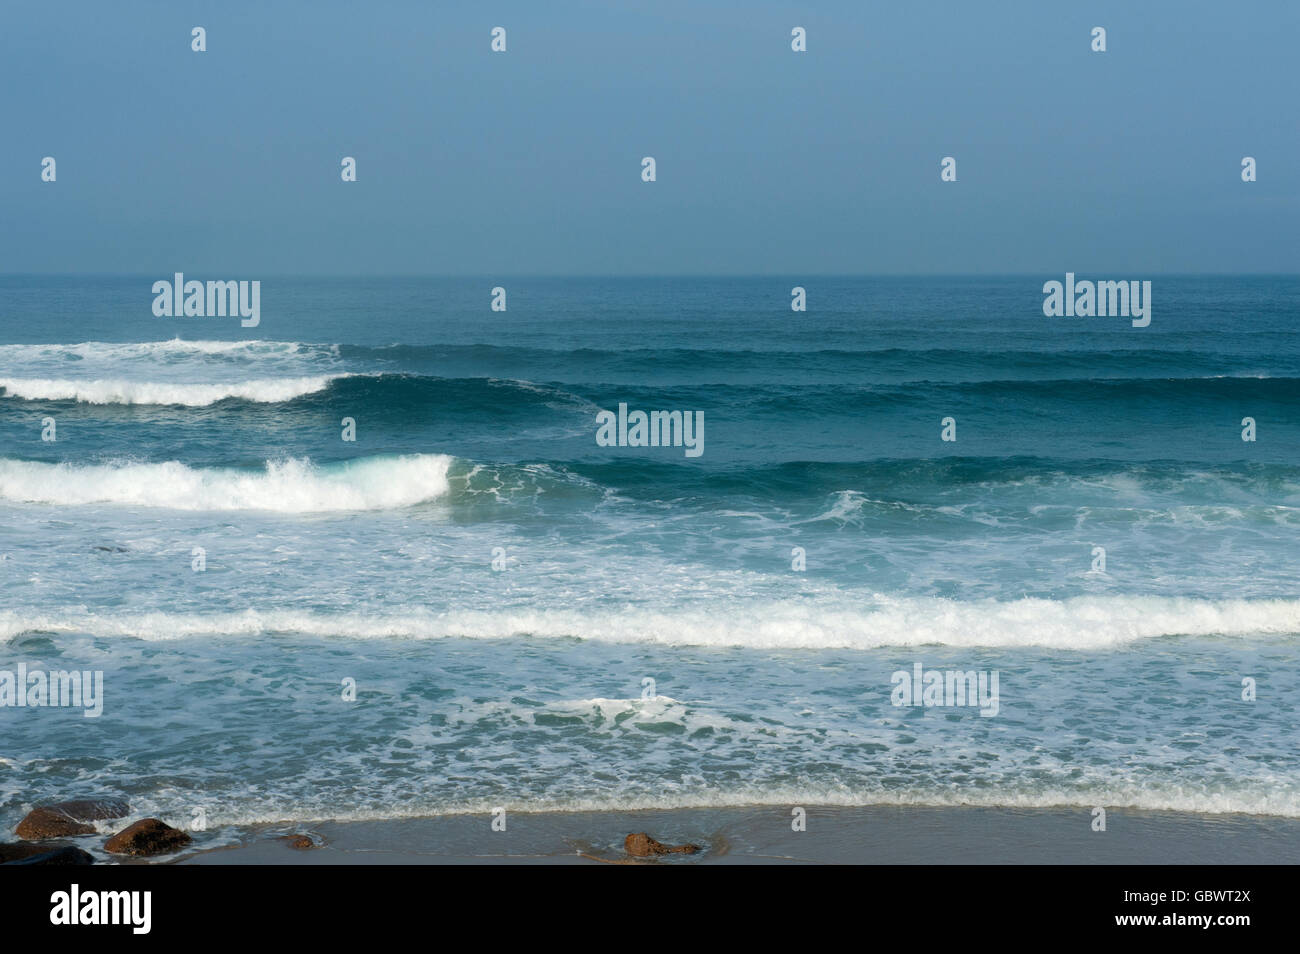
62,819
148,836
642,845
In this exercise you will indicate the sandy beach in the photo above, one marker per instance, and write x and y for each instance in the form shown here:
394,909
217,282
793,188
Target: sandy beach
763,835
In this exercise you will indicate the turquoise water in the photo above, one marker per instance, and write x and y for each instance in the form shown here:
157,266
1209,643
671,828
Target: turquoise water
522,685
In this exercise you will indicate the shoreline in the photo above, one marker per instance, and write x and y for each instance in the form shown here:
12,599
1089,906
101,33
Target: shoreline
763,835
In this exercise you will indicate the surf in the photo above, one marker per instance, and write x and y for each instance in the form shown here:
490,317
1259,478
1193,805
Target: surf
842,622
120,391
291,485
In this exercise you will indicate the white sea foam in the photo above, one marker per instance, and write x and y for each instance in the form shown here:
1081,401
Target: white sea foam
294,485
1082,623
136,350
1133,793
124,391
172,372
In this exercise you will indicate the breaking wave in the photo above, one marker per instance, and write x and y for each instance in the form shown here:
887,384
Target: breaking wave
1080,624
295,485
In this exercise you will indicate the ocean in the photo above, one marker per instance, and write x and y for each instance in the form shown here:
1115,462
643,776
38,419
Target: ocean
475,605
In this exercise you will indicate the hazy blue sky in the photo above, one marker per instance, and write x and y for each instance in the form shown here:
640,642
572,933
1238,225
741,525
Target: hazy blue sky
226,163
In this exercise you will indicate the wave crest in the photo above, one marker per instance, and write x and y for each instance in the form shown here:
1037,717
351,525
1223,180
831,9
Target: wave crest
294,485
119,391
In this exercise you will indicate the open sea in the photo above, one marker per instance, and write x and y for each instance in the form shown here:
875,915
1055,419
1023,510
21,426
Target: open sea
537,622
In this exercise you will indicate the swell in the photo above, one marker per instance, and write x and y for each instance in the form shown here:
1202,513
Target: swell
491,396
1065,480
985,362
502,399
383,481
199,373
835,363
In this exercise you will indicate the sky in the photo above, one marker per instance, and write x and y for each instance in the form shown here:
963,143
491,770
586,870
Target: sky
769,162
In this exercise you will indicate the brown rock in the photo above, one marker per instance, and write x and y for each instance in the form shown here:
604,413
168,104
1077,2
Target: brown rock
642,845
301,842
69,818
50,823
149,836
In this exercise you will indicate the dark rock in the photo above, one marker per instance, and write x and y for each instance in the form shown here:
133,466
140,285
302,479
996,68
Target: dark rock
69,818
67,855
19,850
149,836
641,845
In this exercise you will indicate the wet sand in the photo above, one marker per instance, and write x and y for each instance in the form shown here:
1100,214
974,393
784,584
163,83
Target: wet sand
763,835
